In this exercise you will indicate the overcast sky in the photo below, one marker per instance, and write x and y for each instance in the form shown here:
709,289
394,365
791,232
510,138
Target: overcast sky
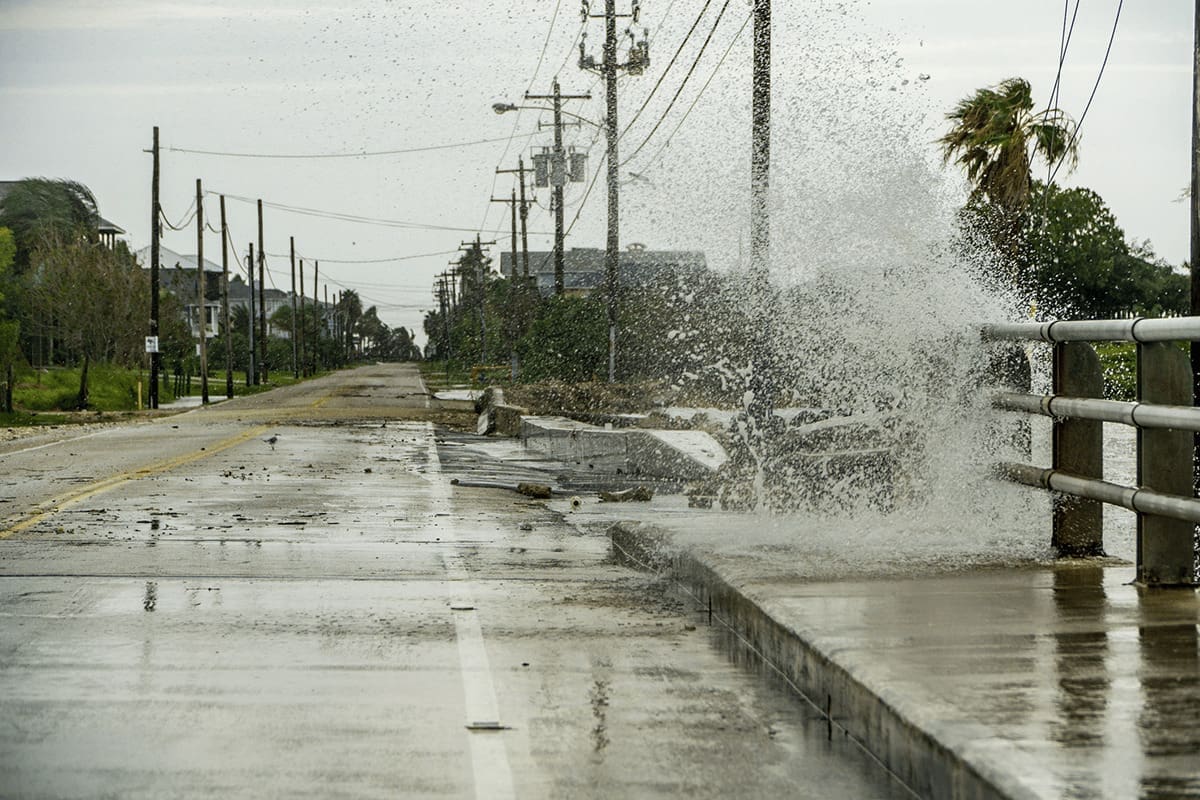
83,82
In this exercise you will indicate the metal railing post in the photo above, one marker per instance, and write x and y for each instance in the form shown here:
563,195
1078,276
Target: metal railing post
1164,545
1078,449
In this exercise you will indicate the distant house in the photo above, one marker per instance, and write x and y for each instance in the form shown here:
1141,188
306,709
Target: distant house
177,274
105,230
583,267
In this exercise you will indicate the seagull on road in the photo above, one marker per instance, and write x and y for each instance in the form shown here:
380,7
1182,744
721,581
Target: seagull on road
274,438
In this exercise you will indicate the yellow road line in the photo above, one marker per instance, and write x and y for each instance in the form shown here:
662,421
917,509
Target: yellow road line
56,505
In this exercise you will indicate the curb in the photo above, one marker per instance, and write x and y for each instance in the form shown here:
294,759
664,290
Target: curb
895,737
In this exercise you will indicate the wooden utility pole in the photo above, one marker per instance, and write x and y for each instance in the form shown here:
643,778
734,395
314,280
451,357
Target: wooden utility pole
316,353
262,301
295,361
155,236
761,383
303,337
558,176
524,212
251,368
225,304
1194,254
609,67
201,306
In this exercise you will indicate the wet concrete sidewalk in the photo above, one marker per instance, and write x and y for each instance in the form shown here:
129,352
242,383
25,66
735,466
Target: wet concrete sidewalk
1041,681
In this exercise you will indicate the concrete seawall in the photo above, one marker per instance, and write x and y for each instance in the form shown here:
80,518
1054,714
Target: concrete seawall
685,455
979,684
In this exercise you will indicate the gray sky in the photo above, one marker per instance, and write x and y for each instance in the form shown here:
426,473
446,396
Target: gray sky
82,83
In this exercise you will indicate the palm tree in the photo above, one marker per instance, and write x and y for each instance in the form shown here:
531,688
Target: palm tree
36,208
996,137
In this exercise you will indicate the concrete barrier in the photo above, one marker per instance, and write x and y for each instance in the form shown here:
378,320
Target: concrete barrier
688,455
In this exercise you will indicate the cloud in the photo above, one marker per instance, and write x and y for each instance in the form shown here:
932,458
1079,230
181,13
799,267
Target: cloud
57,15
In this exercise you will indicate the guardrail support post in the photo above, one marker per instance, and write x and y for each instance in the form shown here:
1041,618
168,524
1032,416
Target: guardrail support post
1078,449
1164,546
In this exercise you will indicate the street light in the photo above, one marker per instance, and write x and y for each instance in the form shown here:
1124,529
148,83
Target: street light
504,108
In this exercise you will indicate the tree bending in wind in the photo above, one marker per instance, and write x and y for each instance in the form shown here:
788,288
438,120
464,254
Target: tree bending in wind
996,137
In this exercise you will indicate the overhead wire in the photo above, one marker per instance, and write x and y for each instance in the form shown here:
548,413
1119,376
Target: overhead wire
1064,43
344,217
517,121
189,214
695,100
686,78
366,260
1095,86
362,154
662,76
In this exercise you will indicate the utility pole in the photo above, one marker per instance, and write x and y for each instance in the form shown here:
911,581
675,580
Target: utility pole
513,204
444,304
524,210
251,370
1195,233
262,301
225,304
201,306
761,383
639,59
155,236
292,253
225,324
480,266
316,348
303,351
558,176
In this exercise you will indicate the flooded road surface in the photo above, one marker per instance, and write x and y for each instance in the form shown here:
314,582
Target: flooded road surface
283,596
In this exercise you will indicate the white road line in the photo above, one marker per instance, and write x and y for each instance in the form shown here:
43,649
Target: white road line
52,444
484,725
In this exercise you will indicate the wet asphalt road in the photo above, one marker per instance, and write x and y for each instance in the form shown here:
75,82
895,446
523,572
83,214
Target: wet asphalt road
189,611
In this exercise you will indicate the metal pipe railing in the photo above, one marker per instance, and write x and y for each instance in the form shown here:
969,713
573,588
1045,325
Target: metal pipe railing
1138,415
1137,329
1142,501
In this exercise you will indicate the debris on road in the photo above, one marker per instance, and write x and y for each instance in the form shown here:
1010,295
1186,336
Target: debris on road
639,494
535,490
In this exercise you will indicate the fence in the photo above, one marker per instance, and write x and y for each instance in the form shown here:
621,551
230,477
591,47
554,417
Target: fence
1166,422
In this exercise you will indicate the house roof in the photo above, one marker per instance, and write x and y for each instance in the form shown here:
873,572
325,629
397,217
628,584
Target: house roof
168,258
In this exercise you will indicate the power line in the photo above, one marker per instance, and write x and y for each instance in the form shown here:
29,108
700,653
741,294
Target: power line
670,64
362,154
1108,51
339,216
662,147
1064,43
686,77
365,260
545,43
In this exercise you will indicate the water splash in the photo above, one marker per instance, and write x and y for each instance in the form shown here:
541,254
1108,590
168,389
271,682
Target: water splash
877,296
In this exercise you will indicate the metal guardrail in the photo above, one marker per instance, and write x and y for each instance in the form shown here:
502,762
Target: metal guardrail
1138,329
1167,425
1138,415
1142,501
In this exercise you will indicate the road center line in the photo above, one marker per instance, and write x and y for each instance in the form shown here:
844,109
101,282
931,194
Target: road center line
57,504
489,754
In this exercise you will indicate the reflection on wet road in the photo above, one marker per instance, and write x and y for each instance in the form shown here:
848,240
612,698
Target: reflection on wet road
189,610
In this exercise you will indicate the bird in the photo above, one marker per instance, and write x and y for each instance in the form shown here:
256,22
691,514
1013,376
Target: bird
274,438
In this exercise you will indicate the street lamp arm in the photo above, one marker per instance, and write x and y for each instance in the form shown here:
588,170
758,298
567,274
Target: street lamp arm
502,108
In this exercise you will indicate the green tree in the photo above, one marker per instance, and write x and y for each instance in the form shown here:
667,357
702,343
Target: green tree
996,137
37,208
1082,266
568,341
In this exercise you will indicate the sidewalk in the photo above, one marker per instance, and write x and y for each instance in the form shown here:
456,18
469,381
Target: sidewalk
1038,680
